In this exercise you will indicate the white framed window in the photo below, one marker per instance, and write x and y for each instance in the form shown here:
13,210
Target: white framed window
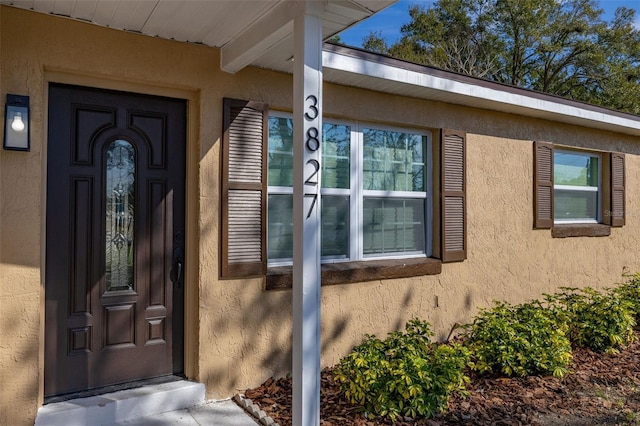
577,186
375,191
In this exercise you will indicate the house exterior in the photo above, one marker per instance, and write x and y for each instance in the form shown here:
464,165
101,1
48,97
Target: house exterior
150,163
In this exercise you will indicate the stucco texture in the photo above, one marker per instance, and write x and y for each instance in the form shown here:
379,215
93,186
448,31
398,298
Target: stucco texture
237,334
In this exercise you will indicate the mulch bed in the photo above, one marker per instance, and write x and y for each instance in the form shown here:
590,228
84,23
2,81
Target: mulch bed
601,390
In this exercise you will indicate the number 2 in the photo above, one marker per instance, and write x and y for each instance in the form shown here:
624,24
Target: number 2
316,166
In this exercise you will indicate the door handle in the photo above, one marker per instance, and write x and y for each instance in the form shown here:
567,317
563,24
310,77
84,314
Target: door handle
179,274
178,267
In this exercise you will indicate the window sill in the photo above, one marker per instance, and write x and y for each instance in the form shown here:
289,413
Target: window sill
580,230
281,277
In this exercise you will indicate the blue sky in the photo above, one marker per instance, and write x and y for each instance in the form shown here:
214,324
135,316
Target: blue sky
389,21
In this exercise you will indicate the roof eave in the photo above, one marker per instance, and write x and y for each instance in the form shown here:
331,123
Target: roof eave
355,67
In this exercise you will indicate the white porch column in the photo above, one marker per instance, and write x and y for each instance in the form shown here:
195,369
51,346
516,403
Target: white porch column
307,136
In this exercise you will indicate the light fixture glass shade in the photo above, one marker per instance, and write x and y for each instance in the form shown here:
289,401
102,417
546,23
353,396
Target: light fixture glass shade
16,123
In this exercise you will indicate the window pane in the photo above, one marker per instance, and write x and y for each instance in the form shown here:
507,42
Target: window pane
392,225
280,151
280,227
575,205
575,169
393,161
335,226
336,151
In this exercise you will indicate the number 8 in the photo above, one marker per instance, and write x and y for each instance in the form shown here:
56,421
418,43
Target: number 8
313,143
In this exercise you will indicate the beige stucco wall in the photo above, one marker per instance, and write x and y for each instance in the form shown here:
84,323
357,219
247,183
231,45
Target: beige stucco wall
237,334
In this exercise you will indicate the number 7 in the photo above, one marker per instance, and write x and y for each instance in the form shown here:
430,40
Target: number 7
313,203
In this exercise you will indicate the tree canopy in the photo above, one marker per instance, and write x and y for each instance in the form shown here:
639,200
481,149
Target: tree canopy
562,47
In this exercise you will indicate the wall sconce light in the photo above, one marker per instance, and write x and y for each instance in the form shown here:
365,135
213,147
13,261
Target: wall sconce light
16,123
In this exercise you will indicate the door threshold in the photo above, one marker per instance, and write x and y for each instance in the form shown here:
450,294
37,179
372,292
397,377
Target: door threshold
112,388
122,405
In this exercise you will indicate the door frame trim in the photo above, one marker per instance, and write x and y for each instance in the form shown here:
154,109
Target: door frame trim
191,278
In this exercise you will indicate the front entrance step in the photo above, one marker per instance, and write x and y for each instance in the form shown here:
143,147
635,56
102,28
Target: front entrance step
123,405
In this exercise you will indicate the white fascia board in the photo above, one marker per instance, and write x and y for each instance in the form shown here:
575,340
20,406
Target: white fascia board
487,95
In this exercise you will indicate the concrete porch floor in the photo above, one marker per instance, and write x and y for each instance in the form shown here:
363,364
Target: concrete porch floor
174,403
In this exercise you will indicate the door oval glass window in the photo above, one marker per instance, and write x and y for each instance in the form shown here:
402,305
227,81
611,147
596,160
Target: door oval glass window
120,214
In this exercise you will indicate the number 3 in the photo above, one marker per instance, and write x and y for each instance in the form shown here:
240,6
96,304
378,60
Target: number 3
313,107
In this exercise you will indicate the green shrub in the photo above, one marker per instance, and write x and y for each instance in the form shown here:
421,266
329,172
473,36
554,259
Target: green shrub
602,322
629,292
518,340
405,374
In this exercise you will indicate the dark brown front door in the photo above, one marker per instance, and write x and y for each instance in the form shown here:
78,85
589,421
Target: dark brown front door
114,238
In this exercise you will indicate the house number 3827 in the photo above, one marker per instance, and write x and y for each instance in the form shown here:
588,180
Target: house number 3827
312,144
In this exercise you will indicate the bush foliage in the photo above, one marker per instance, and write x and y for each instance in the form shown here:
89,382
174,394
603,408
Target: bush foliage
602,322
405,374
629,292
408,375
518,340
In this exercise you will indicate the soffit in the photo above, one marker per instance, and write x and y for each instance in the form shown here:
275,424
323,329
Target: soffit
265,24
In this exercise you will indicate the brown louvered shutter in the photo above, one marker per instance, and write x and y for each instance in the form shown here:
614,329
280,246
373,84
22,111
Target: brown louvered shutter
452,192
617,189
244,188
543,185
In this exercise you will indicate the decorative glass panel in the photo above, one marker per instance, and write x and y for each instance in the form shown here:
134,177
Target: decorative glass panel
393,161
392,225
119,250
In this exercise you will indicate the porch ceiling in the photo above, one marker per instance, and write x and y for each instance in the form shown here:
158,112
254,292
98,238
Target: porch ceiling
248,32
